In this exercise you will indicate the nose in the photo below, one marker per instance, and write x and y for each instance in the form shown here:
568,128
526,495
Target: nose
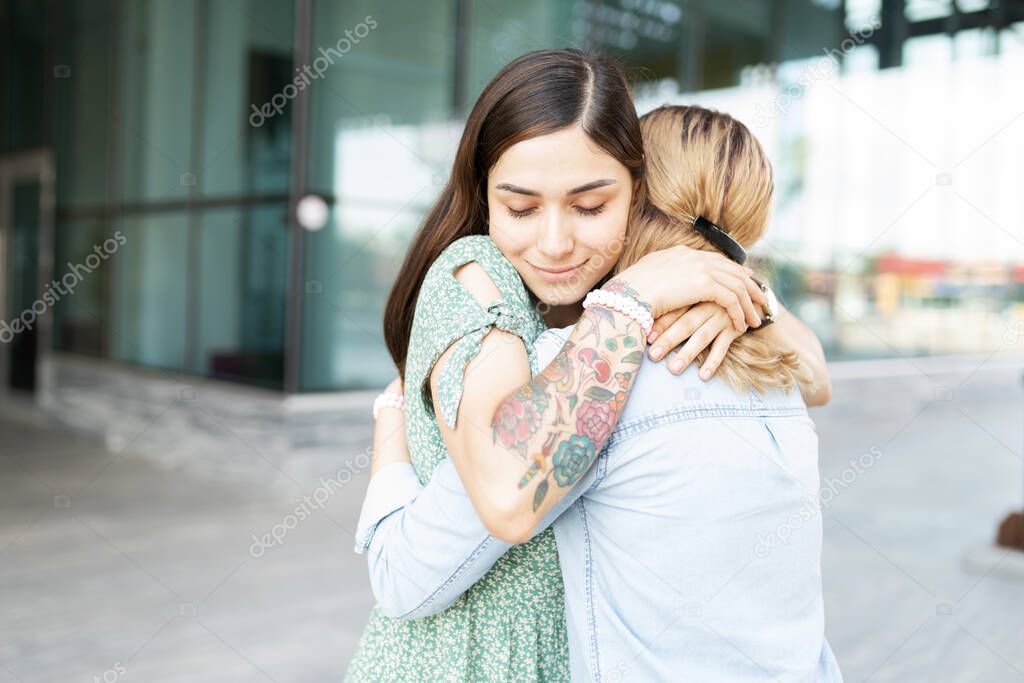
555,241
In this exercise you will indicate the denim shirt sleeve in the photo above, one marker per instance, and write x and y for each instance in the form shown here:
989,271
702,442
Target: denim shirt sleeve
426,549
393,487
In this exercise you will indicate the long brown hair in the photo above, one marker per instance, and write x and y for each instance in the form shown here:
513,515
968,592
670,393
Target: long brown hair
539,93
705,163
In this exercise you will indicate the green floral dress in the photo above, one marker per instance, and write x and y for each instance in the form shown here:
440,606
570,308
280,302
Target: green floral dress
510,626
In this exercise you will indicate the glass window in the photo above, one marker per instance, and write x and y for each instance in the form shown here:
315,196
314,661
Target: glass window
500,33
81,317
247,68
381,138
927,50
385,112
23,74
655,36
156,64
81,96
342,343
151,280
242,280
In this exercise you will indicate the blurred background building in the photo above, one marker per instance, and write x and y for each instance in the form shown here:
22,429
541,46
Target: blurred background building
193,128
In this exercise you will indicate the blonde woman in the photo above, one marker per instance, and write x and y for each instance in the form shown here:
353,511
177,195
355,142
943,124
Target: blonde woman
669,545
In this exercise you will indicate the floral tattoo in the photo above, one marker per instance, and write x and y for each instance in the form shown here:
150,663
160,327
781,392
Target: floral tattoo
584,389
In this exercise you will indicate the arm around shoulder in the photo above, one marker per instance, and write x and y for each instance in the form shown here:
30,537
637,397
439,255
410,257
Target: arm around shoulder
518,443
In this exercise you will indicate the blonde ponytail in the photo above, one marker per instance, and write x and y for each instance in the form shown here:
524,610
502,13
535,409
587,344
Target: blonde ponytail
701,162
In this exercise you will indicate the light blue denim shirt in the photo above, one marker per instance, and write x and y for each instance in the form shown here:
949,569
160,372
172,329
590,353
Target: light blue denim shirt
691,550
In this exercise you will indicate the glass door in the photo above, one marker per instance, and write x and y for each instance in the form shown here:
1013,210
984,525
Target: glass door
25,228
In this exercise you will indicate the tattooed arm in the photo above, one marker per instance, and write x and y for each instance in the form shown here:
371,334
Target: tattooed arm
519,443
425,545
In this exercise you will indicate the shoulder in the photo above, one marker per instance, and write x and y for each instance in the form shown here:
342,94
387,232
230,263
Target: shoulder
453,272
470,288
481,250
466,249
476,280
472,272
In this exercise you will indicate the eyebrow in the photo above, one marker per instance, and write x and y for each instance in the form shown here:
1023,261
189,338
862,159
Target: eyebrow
508,187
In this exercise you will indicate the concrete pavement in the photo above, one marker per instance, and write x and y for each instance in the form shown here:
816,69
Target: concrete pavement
117,564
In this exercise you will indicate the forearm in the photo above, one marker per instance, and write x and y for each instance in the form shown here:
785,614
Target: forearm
426,546
788,333
546,434
389,443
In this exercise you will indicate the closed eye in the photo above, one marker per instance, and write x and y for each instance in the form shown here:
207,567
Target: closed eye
520,214
593,211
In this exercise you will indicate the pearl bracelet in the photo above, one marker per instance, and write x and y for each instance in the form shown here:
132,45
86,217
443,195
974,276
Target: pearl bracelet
388,400
626,305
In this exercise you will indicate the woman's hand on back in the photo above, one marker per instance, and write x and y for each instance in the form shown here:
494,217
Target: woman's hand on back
679,276
689,331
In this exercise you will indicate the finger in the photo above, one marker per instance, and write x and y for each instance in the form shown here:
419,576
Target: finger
757,297
664,322
727,299
685,326
697,342
719,348
755,292
745,276
705,287
752,315
750,308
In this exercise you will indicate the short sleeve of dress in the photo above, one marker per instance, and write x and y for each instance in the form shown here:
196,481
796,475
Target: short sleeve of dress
448,315
498,314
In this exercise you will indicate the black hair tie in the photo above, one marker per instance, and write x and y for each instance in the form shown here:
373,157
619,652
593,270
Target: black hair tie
721,239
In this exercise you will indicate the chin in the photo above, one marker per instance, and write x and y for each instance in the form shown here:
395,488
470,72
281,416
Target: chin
560,296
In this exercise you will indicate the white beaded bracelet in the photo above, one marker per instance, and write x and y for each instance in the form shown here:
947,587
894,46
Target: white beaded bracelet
388,400
626,305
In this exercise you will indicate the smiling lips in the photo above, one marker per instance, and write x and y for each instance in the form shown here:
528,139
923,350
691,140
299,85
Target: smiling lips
559,274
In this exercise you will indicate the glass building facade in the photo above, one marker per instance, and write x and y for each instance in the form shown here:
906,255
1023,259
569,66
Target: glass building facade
192,128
